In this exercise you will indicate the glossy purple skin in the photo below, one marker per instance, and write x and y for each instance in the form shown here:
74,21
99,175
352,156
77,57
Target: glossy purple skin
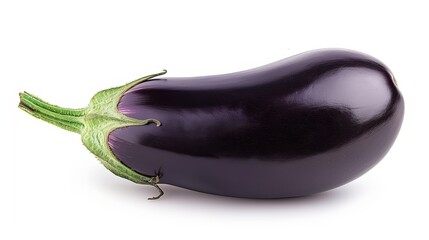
302,125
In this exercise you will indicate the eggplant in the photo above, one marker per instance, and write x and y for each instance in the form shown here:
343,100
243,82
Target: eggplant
298,126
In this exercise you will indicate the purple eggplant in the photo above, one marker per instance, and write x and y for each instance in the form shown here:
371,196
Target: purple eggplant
302,125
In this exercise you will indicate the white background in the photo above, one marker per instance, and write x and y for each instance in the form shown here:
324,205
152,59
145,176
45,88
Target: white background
53,188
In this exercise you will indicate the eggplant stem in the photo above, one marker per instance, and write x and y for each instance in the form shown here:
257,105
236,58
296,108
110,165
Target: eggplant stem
69,126
53,108
94,123
65,118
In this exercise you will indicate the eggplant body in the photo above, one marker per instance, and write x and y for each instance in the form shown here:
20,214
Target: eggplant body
302,125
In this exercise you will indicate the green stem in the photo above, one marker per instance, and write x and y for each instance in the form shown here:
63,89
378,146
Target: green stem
94,123
53,108
65,118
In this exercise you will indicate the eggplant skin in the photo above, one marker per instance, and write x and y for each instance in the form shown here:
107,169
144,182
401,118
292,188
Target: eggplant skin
302,125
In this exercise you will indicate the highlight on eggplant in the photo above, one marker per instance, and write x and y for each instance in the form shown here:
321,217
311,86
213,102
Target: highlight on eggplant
302,125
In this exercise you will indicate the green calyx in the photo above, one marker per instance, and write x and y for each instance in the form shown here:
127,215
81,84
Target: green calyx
94,123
